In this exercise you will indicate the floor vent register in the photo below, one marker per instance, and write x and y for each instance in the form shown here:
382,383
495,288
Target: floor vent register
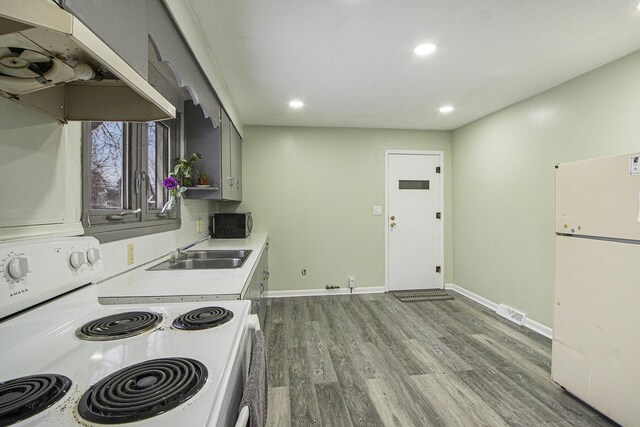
422,295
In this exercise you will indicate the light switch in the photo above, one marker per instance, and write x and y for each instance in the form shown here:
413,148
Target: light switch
377,210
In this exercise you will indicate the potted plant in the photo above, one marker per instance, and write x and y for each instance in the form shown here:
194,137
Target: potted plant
185,170
182,176
203,179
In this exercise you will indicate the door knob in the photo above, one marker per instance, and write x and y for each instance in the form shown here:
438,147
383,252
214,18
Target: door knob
393,218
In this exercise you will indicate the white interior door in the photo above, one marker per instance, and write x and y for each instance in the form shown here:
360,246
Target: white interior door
414,221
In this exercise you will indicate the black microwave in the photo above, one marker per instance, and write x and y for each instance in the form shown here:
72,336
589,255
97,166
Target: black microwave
231,225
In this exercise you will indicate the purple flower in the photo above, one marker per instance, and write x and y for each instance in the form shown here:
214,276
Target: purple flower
170,183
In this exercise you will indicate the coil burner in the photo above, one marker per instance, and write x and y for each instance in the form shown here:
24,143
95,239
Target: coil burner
143,390
24,397
118,326
203,318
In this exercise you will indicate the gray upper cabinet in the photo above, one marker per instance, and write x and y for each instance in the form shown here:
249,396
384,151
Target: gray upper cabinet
232,164
121,25
227,186
236,161
221,148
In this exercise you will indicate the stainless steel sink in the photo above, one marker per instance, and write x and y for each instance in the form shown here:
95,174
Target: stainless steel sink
217,254
205,260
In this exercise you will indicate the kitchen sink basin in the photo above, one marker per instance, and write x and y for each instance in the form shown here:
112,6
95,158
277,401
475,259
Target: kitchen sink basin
204,264
205,260
242,254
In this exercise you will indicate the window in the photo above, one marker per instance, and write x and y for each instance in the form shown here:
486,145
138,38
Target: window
108,165
157,165
123,168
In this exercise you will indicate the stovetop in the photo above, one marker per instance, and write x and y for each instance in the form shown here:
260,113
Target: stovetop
49,339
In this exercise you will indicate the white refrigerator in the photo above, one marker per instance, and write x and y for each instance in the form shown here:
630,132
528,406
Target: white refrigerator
596,328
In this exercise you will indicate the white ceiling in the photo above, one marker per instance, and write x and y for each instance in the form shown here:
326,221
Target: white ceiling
352,61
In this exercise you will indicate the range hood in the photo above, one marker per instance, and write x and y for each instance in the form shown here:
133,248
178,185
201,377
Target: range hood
51,62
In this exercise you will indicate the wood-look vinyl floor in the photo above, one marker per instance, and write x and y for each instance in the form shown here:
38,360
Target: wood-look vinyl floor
371,360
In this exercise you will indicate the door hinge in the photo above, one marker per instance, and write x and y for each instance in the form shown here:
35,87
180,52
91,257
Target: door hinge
438,215
438,169
438,269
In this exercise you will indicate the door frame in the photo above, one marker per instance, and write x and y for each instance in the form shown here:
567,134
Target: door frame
387,153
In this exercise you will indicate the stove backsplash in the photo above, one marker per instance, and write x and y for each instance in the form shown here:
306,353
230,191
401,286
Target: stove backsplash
38,166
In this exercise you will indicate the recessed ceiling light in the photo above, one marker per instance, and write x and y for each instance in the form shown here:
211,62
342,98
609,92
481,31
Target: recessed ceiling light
446,109
425,49
296,104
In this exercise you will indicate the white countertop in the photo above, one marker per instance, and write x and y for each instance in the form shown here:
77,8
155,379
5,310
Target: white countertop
140,285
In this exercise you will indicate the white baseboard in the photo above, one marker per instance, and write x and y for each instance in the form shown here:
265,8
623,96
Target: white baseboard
477,298
539,328
529,323
324,292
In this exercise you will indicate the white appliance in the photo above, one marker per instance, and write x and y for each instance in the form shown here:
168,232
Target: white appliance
70,360
596,332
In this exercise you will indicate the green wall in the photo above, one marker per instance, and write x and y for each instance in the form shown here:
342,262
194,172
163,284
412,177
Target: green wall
503,204
313,190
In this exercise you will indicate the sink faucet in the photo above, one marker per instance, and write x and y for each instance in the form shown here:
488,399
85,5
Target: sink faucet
178,252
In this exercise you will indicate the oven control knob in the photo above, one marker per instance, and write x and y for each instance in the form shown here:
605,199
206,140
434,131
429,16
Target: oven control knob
18,268
93,255
77,259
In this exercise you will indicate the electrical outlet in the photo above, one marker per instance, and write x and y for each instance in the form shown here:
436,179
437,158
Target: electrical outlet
304,271
130,257
352,282
199,225
634,165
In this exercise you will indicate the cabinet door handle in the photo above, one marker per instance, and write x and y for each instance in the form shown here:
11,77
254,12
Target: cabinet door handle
261,288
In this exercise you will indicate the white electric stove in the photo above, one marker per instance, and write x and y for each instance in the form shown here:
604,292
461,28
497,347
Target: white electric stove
70,360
